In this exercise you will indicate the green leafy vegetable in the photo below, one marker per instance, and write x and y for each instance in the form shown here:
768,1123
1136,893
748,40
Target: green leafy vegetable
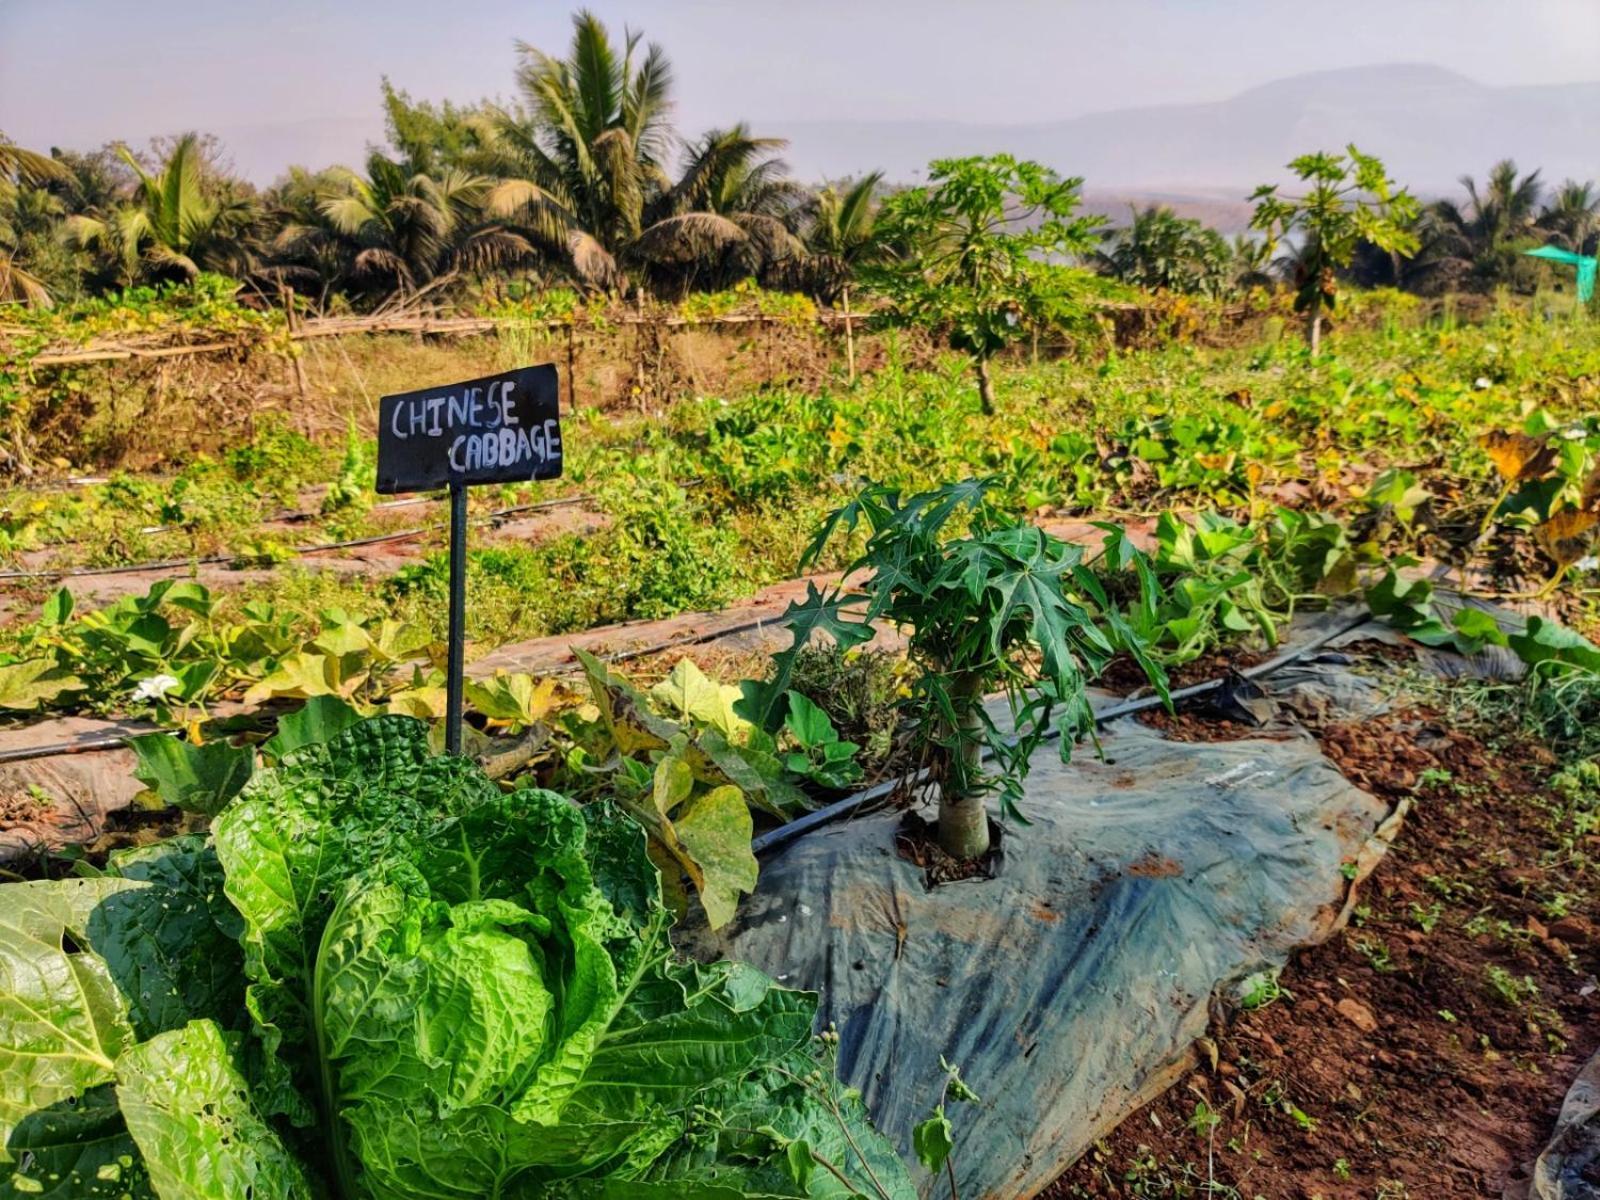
451,989
317,720
822,756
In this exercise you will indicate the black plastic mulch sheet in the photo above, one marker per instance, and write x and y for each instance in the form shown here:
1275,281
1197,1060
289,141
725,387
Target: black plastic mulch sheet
1070,988
1569,1167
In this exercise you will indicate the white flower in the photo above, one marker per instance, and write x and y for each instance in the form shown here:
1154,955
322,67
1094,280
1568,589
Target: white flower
1482,382
1587,563
155,687
1576,434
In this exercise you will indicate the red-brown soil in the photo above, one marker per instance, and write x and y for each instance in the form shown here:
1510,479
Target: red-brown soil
1408,1057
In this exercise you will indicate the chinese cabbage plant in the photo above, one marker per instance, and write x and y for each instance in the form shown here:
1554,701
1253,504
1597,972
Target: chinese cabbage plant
382,978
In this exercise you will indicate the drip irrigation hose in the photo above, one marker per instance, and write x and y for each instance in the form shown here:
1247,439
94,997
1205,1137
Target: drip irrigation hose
169,564
786,833
284,516
822,816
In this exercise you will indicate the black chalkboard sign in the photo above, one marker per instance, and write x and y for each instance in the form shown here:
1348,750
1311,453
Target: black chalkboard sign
499,429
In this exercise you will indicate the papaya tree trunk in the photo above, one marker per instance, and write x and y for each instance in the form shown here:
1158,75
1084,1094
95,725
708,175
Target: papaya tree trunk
1314,324
963,821
980,365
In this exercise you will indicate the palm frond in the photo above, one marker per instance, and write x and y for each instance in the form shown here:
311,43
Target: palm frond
491,249
687,238
596,75
377,260
592,263
349,213
29,165
647,106
619,168
18,286
166,259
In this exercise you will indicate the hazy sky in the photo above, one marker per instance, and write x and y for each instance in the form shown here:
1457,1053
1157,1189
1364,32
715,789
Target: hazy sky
300,79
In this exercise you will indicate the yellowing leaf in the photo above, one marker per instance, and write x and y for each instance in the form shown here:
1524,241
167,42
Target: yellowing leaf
302,675
715,828
626,714
512,699
34,683
672,784
1591,491
425,703
687,691
1516,455
344,638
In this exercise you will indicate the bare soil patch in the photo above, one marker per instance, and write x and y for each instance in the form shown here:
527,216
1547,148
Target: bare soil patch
1425,1051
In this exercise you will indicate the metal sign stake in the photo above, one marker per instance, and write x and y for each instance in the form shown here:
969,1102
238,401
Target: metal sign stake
457,638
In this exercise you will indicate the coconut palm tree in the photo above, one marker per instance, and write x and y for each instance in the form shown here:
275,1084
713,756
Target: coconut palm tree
584,161
731,214
1479,240
24,204
305,252
28,166
1162,251
1250,261
405,230
1572,217
839,234
178,224
30,222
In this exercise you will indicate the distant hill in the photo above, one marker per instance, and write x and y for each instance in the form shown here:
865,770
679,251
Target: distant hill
1430,125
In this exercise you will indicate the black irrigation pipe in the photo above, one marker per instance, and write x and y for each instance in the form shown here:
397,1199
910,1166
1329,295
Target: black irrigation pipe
832,812
170,564
284,516
109,741
295,515
786,833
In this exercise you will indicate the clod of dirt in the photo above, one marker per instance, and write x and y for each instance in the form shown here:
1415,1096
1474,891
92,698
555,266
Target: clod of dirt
1357,1013
20,807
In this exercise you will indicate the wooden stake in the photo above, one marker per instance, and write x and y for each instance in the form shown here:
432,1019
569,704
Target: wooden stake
572,366
287,295
849,336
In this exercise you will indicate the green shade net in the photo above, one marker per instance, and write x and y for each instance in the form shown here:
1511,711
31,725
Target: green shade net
1585,264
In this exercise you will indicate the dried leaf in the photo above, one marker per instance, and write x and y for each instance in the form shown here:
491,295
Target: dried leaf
1516,455
1590,498
1567,535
